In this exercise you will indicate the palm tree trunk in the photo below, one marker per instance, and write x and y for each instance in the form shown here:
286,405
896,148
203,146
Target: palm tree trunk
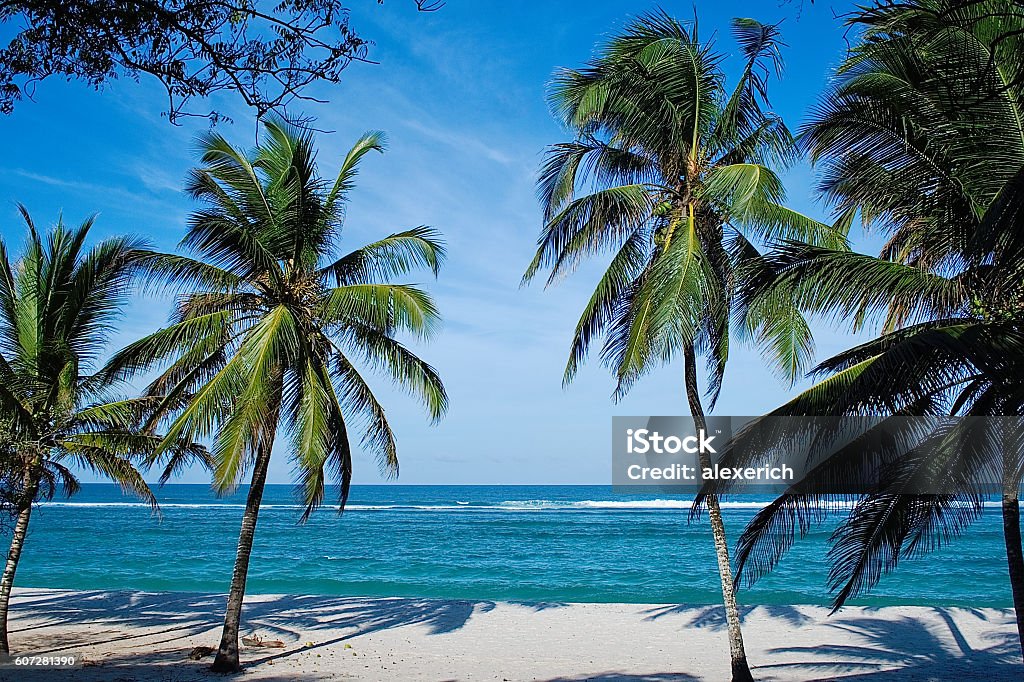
740,668
227,653
27,496
1014,557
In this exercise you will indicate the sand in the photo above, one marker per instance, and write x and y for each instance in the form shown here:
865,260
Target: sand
121,636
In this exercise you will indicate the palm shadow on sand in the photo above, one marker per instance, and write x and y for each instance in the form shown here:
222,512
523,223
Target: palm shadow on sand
163,622
628,677
862,647
879,649
284,616
902,648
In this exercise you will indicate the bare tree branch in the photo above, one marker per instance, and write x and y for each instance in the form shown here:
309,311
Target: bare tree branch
265,51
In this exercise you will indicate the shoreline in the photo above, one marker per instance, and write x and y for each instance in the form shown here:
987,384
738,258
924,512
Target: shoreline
747,602
127,635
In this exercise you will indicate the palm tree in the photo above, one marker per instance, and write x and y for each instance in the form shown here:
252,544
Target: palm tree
672,173
58,303
266,339
922,133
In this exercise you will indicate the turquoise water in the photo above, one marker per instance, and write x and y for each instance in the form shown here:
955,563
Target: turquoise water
532,543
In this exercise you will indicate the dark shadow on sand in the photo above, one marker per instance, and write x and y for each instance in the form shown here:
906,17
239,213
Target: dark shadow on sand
890,649
169,619
628,677
713,617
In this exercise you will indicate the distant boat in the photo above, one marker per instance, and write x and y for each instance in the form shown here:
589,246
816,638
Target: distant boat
460,502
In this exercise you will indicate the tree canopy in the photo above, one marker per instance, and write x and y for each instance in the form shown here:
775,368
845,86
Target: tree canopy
266,52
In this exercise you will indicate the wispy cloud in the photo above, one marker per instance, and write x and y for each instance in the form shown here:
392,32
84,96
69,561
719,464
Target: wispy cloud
76,185
465,144
107,193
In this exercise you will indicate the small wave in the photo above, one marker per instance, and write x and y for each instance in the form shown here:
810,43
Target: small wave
619,504
163,505
168,505
505,506
231,505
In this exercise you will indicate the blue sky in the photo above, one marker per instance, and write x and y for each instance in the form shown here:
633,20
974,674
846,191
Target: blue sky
460,94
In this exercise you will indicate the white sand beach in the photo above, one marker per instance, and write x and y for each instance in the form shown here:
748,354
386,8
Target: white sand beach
147,636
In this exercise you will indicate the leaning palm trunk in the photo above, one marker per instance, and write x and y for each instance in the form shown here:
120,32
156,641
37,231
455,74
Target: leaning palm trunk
1014,558
13,557
227,653
7,582
740,668
1012,539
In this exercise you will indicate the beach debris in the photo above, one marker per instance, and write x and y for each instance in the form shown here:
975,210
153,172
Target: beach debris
257,641
200,652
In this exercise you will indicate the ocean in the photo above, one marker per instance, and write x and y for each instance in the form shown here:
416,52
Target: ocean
514,543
